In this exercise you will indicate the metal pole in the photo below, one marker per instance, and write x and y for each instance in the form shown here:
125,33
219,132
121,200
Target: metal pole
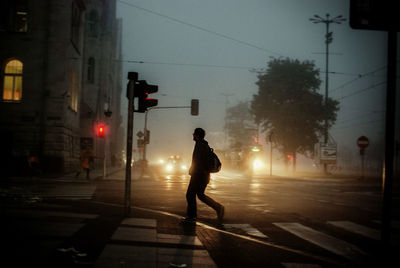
362,164
105,157
129,149
389,138
145,133
327,41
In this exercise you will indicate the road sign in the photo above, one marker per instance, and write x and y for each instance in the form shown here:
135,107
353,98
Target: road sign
362,142
328,153
140,134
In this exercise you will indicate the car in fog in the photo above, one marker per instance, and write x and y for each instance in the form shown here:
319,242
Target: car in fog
174,165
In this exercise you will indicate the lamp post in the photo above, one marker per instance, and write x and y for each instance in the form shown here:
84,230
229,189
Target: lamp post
328,39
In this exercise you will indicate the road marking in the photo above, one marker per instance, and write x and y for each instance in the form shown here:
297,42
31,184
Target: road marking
248,238
250,230
299,265
325,241
357,228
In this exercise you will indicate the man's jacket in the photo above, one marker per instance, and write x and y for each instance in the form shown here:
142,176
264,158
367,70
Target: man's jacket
200,164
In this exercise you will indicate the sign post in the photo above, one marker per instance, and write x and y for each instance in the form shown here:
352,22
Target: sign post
363,143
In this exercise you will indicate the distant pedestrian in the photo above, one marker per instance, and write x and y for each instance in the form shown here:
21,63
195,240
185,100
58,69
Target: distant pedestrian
200,177
87,159
34,164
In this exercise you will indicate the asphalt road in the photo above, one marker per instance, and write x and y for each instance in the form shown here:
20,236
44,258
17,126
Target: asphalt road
333,217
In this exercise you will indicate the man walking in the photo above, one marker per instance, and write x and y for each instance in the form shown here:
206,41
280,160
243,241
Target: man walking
200,177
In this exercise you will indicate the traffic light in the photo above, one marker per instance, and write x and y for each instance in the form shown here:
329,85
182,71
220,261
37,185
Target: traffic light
142,91
194,107
101,130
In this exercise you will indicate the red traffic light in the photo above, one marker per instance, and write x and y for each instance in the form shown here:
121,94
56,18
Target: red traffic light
142,91
101,131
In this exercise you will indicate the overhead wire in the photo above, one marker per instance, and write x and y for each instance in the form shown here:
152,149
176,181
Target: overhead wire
372,113
357,78
362,90
202,28
189,64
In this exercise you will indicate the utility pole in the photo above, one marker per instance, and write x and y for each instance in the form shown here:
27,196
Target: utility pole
328,39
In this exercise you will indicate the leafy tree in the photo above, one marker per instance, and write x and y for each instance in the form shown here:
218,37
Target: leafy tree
288,105
239,124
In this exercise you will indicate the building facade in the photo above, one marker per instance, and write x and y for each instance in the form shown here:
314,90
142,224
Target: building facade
60,77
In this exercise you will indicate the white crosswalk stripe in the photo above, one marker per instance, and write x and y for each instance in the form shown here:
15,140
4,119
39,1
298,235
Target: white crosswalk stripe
357,228
322,240
250,230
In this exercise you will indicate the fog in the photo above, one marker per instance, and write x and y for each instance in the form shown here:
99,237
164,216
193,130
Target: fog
211,50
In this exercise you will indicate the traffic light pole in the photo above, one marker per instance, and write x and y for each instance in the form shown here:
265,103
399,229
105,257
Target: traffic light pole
145,121
129,150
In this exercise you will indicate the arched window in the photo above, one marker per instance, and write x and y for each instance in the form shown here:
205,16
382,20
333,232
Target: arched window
12,80
93,22
90,70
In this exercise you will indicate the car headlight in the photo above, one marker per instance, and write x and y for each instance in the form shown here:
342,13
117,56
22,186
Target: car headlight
257,164
169,167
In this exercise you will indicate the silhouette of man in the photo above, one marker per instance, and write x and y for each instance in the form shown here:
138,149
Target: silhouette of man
200,177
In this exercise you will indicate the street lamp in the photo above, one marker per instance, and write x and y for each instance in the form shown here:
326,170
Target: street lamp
328,39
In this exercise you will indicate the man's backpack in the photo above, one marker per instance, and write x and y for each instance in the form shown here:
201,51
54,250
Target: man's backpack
214,163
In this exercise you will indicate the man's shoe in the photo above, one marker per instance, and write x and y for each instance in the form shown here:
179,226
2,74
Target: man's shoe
221,213
189,220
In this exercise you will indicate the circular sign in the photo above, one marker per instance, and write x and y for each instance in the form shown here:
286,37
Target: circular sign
362,142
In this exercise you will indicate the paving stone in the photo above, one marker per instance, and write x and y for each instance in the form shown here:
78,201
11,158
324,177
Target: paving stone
140,222
178,239
135,234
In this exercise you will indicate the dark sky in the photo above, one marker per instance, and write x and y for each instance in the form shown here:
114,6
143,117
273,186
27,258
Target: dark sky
206,49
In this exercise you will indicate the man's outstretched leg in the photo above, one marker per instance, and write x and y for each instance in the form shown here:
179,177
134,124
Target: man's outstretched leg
220,209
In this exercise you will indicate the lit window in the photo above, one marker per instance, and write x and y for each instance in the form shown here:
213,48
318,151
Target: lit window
90,70
73,90
12,81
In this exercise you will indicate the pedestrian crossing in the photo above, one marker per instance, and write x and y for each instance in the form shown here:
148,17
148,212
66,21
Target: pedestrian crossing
326,236
137,243
330,243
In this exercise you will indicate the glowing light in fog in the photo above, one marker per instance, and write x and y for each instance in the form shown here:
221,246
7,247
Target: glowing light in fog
257,164
169,167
